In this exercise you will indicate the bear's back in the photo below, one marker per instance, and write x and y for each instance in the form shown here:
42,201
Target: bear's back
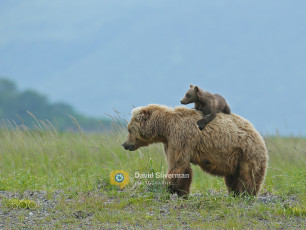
224,132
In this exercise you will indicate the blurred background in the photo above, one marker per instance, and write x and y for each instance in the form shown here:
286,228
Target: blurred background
89,58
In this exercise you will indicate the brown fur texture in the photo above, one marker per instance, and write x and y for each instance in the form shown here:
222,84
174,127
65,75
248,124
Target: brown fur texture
229,146
209,104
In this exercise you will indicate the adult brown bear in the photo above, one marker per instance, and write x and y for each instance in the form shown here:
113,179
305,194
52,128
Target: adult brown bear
229,146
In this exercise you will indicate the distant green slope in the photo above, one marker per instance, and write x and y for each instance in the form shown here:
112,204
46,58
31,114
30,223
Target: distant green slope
24,107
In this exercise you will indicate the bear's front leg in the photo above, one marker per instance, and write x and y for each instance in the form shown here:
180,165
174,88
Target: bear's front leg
179,180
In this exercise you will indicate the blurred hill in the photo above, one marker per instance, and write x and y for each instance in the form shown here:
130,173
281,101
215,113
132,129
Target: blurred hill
23,107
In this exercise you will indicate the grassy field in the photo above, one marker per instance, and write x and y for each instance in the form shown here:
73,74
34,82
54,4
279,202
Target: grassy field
67,178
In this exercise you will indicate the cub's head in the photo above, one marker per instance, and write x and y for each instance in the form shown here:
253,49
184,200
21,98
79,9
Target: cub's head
141,129
191,95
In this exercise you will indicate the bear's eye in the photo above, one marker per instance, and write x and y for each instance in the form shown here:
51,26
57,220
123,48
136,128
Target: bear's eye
188,95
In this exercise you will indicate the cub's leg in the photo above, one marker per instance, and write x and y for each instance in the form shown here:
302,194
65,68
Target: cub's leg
206,119
201,124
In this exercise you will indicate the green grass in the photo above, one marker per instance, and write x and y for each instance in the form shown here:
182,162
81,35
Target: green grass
72,169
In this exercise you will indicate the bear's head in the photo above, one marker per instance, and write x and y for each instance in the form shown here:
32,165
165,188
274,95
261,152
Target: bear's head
141,129
191,95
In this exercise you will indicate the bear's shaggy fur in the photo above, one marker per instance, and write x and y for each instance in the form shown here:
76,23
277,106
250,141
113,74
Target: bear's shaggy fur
229,146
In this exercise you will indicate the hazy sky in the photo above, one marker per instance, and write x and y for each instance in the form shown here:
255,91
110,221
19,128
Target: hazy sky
104,55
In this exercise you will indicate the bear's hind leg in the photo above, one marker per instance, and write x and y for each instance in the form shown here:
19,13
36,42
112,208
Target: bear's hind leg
245,187
231,183
246,180
259,177
240,186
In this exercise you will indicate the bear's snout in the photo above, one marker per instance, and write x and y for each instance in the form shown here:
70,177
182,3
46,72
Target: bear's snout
128,146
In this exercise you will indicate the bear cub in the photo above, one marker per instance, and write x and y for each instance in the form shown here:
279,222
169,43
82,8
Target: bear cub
209,104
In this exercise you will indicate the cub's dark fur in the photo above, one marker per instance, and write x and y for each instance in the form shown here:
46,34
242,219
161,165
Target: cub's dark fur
209,104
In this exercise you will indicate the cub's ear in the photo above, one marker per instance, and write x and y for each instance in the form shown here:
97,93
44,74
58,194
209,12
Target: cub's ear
196,88
191,86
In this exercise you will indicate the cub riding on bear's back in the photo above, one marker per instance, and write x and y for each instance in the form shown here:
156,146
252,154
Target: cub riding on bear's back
209,104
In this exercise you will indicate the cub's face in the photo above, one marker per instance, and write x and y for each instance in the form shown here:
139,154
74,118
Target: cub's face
190,96
139,134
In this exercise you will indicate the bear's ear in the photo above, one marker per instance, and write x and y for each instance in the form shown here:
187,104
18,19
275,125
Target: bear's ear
196,88
191,86
144,115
